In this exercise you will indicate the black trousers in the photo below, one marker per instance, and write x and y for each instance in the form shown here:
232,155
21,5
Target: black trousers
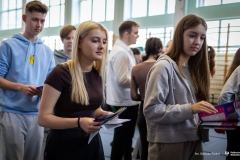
142,127
122,140
72,144
233,143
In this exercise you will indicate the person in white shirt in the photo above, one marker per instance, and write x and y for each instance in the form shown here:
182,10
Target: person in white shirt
120,63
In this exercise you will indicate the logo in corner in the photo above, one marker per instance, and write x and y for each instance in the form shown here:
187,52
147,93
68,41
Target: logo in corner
226,153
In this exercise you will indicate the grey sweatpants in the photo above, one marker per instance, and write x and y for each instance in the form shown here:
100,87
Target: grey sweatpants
191,150
22,136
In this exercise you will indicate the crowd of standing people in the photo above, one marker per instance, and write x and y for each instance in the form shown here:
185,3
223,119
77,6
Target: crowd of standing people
65,91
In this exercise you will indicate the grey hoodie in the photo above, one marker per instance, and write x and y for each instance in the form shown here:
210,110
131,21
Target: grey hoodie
231,89
24,62
60,57
167,104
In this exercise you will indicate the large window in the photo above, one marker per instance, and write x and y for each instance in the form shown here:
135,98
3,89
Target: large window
217,33
202,3
53,42
152,7
229,1
222,33
11,14
139,10
55,16
141,39
96,10
165,34
110,40
234,32
213,33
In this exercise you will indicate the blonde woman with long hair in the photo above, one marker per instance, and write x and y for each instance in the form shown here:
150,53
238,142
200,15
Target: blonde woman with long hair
73,91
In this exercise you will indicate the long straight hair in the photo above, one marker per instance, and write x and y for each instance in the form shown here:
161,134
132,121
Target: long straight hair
235,63
78,90
211,59
198,64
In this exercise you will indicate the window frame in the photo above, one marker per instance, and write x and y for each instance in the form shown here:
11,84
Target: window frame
199,3
8,11
92,3
147,9
48,16
165,36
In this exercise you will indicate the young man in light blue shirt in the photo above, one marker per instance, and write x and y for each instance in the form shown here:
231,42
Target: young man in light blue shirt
25,63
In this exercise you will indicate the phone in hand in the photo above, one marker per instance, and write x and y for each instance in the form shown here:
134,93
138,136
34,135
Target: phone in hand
40,88
104,118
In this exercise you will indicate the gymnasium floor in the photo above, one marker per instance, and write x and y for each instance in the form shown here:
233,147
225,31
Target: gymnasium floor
213,150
